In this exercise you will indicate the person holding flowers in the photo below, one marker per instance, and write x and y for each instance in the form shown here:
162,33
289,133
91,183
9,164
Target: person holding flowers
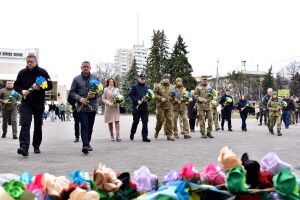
164,92
227,107
31,83
204,95
243,107
111,98
275,110
140,94
8,99
180,109
85,90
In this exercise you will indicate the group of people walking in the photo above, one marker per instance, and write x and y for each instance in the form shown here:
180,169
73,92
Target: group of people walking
173,109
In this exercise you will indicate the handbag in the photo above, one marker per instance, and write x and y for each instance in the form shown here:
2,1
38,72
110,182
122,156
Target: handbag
122,109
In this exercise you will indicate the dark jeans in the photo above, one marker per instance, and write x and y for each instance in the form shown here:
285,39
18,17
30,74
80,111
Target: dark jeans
244,117
286,118
192,123
76,124
226,115
137,115
62,116
87,120
26,112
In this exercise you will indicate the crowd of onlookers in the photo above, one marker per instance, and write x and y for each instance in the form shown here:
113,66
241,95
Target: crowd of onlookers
61,112
290,113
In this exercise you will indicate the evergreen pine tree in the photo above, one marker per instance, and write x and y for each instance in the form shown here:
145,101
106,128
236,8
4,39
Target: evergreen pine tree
179,65
157,61
129,80
268,81
294,85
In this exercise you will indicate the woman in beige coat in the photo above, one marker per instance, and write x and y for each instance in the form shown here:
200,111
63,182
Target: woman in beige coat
111,112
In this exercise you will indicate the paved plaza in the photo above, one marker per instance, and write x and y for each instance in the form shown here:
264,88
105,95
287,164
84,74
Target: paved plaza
60,155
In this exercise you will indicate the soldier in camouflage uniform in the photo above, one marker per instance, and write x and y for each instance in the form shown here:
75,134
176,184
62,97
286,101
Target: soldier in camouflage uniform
9,109
214,106
180,111
164,107
274,114
204,107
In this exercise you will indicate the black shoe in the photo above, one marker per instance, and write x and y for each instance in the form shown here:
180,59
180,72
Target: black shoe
4,135
230,130
85,150
37,150
90,148
279,133
146,140
76,140
192,131
131,136
210,135
22,152
271,131
15,137
217,129
222,128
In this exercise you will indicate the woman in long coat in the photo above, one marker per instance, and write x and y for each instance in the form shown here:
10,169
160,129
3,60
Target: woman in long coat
111,112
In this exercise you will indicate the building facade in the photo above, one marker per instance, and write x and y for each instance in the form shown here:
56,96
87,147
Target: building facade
140,55
13,60
124,59
241,83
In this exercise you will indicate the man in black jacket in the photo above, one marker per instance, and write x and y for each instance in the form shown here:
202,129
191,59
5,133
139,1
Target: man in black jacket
139,107
80,92
227,106
286,111
32,104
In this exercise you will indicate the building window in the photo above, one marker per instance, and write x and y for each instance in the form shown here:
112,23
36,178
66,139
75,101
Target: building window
18,54
6,54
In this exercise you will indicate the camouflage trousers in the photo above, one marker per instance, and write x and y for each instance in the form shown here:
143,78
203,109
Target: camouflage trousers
5,116
215,118
202,116
275,120
164,116
183,122
293,117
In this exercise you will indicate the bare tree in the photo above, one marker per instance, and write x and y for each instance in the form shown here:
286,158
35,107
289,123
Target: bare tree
105,70
292,69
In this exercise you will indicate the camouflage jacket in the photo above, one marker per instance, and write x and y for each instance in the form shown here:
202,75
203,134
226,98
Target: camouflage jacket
163,90
274,107
180,90
202,98
4,95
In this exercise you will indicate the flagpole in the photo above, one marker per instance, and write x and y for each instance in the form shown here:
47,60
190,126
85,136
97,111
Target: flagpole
217,76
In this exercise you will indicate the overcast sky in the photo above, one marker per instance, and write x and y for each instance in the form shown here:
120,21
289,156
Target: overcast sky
261,32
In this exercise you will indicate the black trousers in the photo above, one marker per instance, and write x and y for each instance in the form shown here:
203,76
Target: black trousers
62,116
76,124
137,115
87,120
226,115
26,112
244,118
263,114
192,123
